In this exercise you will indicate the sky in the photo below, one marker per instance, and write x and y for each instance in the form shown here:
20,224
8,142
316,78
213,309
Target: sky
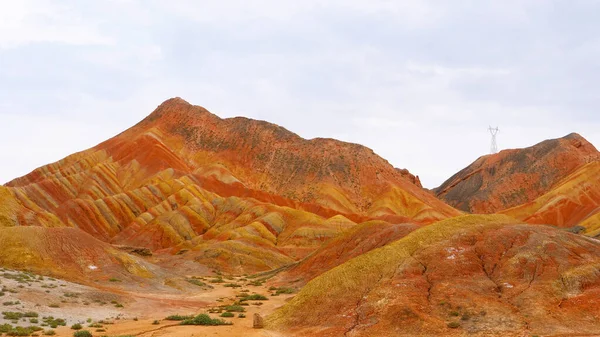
419,82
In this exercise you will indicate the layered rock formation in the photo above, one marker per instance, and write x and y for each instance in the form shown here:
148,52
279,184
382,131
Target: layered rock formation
475,275
513,177
236,194
573,202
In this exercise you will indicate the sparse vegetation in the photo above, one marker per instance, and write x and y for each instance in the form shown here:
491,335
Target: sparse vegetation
227,314
76,326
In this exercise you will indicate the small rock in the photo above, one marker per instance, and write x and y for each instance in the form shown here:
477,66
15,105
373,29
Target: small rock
259,323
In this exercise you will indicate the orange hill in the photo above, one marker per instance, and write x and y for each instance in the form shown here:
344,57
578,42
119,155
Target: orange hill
513,177
238,194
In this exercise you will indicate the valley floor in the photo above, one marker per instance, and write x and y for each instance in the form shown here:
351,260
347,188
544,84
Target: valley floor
113,313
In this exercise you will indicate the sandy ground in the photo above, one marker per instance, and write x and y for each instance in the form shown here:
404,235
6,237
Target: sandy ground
86,305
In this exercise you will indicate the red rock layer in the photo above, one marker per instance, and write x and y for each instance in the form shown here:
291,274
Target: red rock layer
514,177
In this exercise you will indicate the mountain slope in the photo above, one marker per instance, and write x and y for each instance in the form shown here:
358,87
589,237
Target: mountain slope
471,275
513,177
575,201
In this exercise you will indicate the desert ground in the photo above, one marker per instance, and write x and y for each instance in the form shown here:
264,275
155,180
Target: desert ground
112,313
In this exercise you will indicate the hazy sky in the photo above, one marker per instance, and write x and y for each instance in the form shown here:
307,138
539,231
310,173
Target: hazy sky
417,81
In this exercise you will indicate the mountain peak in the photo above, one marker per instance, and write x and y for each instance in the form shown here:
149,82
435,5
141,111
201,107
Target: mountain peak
511,177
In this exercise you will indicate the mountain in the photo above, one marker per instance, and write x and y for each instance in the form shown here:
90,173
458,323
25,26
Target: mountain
476,275
184,208
572,202
510,178
237,194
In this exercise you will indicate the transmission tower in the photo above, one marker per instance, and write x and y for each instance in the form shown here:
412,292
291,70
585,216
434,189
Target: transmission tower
494,132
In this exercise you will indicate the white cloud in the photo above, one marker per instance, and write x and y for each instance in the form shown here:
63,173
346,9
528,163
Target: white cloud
32,21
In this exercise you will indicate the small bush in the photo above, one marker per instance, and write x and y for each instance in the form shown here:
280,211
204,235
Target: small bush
196,282
76,326
156,322
227,314
254,297
82,333
204,319
5,328
279,291
235,308
453,325
232,285
179,317
49,333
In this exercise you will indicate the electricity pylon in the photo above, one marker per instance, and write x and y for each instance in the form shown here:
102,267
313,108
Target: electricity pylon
494,132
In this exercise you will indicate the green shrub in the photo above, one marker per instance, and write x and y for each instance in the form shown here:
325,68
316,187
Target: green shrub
227,314
196,282
284,290
76,326
82,333
232,285
204,319
4,328
49,333
235,308
453,325
9,315
179,317
254,297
